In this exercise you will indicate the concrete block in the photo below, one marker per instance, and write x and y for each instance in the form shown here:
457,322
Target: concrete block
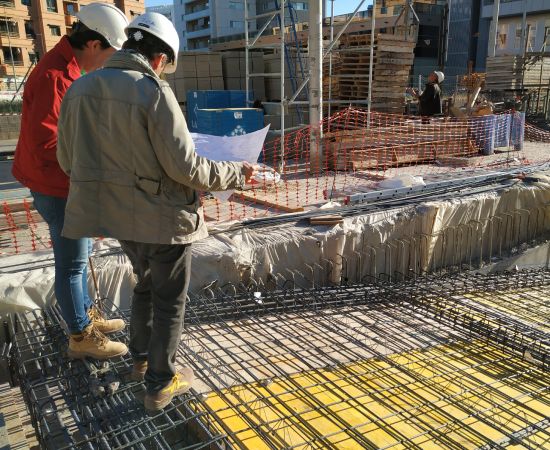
203,69
203,84
217,83
233,83
216,69
191,84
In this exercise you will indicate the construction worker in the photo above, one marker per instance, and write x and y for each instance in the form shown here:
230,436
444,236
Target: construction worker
430,99
134,177
97,33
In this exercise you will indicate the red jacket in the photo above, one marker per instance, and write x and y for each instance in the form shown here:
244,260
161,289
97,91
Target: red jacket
35,164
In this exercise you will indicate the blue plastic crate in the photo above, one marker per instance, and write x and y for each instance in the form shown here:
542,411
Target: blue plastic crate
213,99
229,121
203,100
237,99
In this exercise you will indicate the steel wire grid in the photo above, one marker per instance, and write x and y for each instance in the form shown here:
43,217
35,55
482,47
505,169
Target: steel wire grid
418,364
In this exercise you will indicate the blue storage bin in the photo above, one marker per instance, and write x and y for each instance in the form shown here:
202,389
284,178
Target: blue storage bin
213,100
483,130
203,100
237,99
517,132
229,121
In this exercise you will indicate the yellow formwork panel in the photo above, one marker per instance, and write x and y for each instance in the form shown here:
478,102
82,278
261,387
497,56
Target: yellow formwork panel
448,396
519,304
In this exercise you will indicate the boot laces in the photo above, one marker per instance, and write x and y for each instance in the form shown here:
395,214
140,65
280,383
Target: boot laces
98,336
96,315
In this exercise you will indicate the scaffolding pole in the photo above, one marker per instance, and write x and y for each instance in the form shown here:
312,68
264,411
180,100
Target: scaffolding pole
371,61
315,54
494,29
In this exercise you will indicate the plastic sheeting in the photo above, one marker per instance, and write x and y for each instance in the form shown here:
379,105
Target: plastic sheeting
362,246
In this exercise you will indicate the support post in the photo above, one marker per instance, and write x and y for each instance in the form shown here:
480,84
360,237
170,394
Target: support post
315,56
493,33
371,61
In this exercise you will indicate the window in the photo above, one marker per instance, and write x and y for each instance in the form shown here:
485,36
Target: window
517,41
299,6
547,36
383,10
33,57
29,29
531,42
8,27
70,9
397,9
51,5
236,5
502,36
26,2
12,55
55,30
236,24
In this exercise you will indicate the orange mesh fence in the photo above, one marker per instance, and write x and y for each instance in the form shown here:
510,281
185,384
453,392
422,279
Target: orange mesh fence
350,152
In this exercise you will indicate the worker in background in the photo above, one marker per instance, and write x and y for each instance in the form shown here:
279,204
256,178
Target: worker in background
95,36
134,177
430,99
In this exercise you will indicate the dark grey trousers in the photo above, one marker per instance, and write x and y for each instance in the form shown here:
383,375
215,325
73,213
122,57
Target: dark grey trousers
158,307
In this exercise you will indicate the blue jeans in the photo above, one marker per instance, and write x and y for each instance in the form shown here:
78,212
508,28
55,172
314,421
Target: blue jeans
71,261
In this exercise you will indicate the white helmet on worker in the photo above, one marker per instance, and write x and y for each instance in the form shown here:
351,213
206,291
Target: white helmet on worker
159,26
107,20
440,76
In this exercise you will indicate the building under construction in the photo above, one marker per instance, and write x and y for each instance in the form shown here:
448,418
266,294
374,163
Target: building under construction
390,291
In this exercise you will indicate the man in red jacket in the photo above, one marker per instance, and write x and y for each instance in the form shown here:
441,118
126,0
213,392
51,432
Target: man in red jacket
98,33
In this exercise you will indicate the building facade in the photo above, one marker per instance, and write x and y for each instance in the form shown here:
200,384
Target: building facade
29,28
202,22
509,30
166,10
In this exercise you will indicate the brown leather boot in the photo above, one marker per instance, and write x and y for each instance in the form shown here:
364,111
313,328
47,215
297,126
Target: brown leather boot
180,384
104,325
93,343
138,371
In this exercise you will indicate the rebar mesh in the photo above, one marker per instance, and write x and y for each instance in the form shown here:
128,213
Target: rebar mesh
434,362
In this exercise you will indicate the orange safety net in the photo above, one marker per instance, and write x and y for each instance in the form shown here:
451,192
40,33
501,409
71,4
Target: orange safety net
349,152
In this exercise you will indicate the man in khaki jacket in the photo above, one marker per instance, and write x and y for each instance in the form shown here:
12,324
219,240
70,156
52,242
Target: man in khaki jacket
134,176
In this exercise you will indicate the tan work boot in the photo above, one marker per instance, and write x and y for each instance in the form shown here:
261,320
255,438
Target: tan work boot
104,325
180,384
138,371
93,343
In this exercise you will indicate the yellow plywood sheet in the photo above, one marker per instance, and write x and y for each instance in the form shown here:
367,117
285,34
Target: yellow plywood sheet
446,396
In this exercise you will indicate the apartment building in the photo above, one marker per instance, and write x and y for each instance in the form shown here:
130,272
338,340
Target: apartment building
510,25
200,21
166,10
29,28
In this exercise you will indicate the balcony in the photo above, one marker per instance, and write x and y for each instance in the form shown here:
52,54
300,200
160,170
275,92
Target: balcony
201,32
7,3
198,14
10,34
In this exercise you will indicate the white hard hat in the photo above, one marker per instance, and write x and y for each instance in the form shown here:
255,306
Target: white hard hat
107,20
159,26
440,76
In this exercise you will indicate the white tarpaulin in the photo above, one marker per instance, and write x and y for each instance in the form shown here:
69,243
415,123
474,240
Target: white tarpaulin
246,147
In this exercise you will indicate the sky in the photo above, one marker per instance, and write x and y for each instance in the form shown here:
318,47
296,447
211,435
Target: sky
340,6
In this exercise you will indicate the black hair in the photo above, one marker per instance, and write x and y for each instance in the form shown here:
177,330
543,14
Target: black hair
148,45
81,34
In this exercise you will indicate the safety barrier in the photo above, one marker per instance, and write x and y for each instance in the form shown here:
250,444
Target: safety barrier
356,152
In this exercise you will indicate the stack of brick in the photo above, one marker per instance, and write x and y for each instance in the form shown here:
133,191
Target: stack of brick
298,65
234,72
196,71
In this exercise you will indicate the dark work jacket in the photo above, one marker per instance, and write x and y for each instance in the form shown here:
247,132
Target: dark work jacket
430,100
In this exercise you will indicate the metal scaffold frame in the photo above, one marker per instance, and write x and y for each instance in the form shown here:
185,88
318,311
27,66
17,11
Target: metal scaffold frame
316,55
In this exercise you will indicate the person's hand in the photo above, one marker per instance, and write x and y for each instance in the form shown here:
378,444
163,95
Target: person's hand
413,92
250,171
